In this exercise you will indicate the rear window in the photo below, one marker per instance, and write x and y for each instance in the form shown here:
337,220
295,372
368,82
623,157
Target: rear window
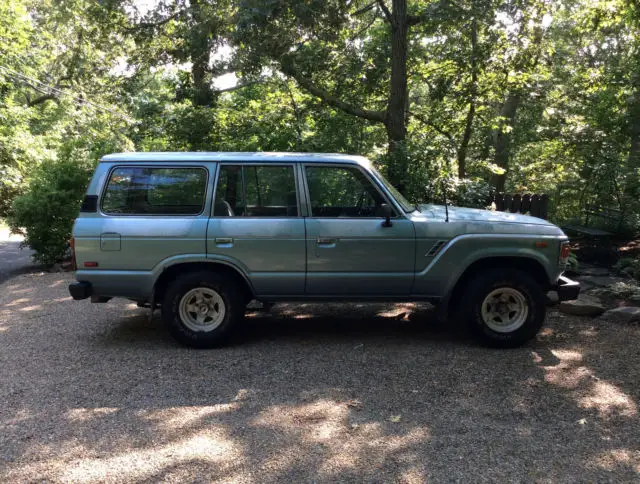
155,191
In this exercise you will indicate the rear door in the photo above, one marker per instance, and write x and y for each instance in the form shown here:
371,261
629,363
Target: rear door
257,225
349,251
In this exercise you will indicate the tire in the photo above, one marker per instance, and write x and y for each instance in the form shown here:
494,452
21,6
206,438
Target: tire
503,308
185,302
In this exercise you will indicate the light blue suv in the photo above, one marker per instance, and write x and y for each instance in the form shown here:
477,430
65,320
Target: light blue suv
199,235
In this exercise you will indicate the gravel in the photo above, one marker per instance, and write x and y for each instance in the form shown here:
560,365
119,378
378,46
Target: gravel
309,393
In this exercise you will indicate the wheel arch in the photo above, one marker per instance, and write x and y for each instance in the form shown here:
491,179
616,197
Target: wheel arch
174,270
529,265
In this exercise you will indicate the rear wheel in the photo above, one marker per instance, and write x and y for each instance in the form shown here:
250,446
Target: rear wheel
201,308
503,308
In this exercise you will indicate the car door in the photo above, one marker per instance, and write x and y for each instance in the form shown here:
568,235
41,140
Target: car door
349,250
257,226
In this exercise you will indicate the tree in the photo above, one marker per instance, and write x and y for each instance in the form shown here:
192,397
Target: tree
293,37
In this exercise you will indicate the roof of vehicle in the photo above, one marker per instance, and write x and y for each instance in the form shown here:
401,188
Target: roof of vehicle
247,157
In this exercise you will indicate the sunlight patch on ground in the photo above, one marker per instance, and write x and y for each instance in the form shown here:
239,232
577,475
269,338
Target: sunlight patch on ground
35,307
61,299
616,458
182,417
211,446
608,399
589,391
326,423
413,476
84,414
15,302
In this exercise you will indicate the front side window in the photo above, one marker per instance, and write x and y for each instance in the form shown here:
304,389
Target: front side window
342,192
404,203
256,191
155,191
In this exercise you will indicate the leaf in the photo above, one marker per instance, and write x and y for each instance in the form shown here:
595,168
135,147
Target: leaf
395,418
355,404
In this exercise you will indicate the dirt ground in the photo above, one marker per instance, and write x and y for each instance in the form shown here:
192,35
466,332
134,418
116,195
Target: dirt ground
310,393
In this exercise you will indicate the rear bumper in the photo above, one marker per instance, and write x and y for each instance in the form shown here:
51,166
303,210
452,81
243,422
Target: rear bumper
80,290
567,289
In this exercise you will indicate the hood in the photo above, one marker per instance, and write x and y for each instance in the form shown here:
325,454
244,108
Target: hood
460,214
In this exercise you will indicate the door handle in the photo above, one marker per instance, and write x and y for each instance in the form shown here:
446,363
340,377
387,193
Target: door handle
224,241
326,241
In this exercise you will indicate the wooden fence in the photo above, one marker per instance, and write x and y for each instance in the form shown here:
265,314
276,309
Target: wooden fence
531,204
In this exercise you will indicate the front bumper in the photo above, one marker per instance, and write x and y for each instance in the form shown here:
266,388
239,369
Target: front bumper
567,289
80,290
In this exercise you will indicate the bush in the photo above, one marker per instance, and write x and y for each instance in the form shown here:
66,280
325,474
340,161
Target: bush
45,212
629,266
471,193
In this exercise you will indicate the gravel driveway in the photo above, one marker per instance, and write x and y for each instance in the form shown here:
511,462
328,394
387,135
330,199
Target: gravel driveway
374,393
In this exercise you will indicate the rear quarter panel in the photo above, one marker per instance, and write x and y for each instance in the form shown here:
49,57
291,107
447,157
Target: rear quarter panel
146,242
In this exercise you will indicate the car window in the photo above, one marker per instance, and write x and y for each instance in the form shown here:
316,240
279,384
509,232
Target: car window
342,192
256,191
155,191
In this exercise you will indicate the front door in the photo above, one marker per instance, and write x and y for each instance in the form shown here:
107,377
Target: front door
256,226
349,250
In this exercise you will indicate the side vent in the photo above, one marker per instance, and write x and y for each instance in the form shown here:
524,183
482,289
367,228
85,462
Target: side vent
436,248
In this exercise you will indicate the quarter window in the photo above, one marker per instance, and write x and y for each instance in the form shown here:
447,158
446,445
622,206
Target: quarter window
155,191
342,192
256,191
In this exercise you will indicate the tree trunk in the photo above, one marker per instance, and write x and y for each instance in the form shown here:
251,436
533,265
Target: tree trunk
473,92
395,121
200,56
202,91
503,135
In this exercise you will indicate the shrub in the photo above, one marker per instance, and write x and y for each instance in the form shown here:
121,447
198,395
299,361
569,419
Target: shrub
472,193
629,266
45,212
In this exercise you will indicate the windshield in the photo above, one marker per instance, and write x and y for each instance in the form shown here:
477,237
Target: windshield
404,203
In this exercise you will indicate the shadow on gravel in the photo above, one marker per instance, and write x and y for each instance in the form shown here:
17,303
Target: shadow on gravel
309,323
309,393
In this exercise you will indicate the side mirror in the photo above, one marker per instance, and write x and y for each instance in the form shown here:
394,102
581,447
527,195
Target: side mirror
387,213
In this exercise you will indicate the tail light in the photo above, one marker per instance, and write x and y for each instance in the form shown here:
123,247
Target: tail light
565,252
72,245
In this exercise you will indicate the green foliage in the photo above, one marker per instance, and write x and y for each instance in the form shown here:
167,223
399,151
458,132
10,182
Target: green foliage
629,266
44,214
541,97
572,262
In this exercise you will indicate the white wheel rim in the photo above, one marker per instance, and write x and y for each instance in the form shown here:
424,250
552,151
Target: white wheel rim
202,309
505,310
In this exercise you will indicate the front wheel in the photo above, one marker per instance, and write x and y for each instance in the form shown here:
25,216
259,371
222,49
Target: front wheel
201,308
503,308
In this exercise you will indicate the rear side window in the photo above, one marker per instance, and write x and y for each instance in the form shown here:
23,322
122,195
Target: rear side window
256,191
155,191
